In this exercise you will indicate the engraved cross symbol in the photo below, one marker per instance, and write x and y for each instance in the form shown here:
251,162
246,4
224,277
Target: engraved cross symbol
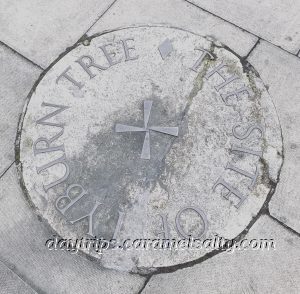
173,131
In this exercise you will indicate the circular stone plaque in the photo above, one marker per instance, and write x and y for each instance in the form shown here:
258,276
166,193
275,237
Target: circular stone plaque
149,133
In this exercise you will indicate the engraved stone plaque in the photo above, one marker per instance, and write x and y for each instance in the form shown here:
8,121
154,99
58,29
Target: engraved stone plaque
148,133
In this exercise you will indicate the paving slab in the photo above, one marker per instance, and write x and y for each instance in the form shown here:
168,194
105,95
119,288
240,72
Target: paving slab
276,21
244,271
22,248
281,72
176,13
17,77
42,30
160,122
11,283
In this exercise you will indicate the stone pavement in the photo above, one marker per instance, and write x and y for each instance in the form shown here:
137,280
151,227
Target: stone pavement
242,271
265,33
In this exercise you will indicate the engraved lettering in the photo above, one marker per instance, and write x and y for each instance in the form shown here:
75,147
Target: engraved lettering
127,49
69,78
42,121
218,71
87,61
231,190
119,224
110,55
71,200
248,132
165,227
199,212
61,160
90,219
47,148
253,177
197,64
229,80
236,93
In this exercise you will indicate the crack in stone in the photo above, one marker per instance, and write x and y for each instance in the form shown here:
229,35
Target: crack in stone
161,270
240,28
283,224
21,55
102,14
247,67
13,269
145,284
252,49
6,169
172,269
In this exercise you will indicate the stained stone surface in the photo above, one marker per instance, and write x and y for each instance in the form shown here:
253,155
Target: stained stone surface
22,249
181,180
16,78
41,30
176,13
274,20
282,74
245,271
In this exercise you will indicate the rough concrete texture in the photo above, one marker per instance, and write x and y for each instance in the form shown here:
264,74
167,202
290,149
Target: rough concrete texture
245,271
282,74
16,78
11,283
182,171
273,20
177,13
22,249
41,30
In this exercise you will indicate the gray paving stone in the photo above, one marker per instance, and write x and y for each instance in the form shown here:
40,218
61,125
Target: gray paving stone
249,271
11,284
176,13
17,77
22,247
281,72
41,30
276,21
